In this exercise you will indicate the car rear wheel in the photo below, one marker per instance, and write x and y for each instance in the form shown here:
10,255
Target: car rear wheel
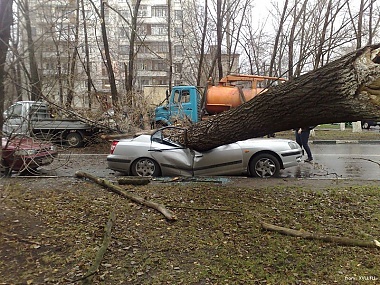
145,167
264,165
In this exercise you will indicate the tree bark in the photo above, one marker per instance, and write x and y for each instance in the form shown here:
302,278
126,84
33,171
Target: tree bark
131,57
110,72
341,91
306,235
5,29
73,61
118,190
35,80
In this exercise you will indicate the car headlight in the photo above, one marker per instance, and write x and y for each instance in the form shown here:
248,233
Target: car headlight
25,152
293,145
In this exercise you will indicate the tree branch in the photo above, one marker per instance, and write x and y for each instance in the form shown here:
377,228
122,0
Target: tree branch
331,239
102,250
118,190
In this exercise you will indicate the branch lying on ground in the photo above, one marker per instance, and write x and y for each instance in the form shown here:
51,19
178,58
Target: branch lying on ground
332,239
118,190
102,250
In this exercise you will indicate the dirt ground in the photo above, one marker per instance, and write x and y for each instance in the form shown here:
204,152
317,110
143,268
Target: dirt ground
52,230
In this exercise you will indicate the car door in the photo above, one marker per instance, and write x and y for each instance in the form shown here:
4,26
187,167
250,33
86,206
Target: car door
223,160
181,104
172,157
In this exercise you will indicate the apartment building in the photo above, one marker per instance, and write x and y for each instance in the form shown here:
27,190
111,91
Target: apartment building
68,47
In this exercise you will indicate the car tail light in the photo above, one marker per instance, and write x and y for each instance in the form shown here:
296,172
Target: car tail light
113,146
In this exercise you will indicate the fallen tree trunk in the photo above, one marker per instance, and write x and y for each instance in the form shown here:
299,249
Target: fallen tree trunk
118,190
342,91
332,239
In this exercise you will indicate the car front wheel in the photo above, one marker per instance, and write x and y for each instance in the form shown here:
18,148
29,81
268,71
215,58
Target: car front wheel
145,167
265,166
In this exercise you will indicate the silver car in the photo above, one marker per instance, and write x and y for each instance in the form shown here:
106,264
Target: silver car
157,155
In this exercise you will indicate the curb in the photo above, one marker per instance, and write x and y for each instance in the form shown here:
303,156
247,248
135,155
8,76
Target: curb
345,142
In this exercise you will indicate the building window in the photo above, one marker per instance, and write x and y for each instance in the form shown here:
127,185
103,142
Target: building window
144,82
143,11
158,65
179,32
141,30
142,65
178,50
161,47
123,49
178,67
123,32
106,84
159,30
159,11
34,31
143,48
104,71
124,14
178,15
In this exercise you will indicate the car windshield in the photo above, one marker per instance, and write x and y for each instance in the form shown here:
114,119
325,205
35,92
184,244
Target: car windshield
165,135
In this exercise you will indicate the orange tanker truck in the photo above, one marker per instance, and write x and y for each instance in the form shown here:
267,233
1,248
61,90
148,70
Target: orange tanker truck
186,102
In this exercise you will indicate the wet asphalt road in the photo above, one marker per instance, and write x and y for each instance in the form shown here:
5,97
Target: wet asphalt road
345,161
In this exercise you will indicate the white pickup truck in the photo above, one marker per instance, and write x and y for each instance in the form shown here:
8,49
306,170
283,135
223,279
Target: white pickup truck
34,118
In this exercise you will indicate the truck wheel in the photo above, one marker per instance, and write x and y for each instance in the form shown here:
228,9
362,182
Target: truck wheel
74,139
264,165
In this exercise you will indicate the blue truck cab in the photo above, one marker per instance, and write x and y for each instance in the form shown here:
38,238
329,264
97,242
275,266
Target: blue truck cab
184,102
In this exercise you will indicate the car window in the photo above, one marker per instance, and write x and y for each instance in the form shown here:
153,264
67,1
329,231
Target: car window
15,111
157,137
185,98
177,97
165,135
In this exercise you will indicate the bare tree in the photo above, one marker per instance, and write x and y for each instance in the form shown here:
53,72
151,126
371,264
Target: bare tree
87,57
34,77
170,55
72,63
219,37
202,47
293,35
132,40
110,72
5,27
277,40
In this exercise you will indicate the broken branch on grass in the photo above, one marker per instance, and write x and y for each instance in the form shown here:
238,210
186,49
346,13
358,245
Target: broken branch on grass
102,250
311,236
118,190
205,209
